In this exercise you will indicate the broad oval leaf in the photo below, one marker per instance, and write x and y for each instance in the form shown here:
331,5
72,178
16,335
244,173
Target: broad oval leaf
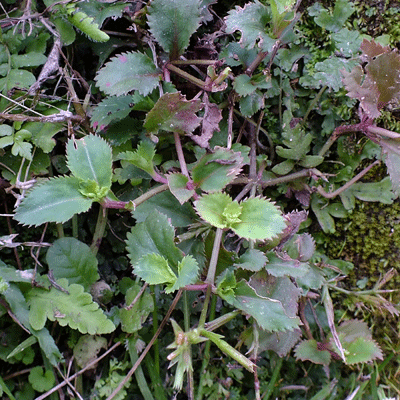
90,158
211,207
127,72
172,23
69,258
55,200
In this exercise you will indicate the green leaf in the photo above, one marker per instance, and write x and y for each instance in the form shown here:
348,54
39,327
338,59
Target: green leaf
268,313
127,72
307,350
133,319
55,200
42,134
279,267
76,309
110,109
69,258
153,268
172,23
17,78
188,270
87,349
87,25
252,103
166,203
357,342
216,170
332,21
90,158
211,207
243,86
142,157
252,21
154,235
31,59
173,113
252,260
19,307
391,149
260,219
177,183
40,380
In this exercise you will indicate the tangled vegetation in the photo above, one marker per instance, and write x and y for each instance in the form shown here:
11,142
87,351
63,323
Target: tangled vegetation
200,199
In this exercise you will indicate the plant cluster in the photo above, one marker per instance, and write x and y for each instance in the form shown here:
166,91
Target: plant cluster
213,149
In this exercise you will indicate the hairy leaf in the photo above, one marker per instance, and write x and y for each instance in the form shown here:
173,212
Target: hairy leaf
252,21
90,158
133,319
69,258
127,72
332,21
75,309
252,103
188,270
153,268
55,200
216,170
172,23
173,113
391,149
87,25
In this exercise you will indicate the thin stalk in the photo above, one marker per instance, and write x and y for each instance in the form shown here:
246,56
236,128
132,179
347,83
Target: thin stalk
181,157
60,230
156,346
159,390
193,62
75,226
313,104
139,375
206,354
274,378
187,76
148,347
99,230
211,275
333,194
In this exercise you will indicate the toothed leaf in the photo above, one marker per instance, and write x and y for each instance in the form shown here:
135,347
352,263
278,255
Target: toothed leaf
90,159
173,113
142,157
172,23
127,72
55,200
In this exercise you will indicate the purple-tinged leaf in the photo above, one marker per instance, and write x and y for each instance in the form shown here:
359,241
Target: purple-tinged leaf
173,113
212,117
177,184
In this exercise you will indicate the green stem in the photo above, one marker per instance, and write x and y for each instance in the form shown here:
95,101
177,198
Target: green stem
75,226
99,230
156,365
274,377
193,62
60,230
139,375
187,76
159,390
211,275
313,104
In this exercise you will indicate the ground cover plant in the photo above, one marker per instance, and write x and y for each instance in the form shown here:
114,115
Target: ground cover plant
173,176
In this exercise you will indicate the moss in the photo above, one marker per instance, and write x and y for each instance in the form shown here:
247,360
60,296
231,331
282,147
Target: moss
370,239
